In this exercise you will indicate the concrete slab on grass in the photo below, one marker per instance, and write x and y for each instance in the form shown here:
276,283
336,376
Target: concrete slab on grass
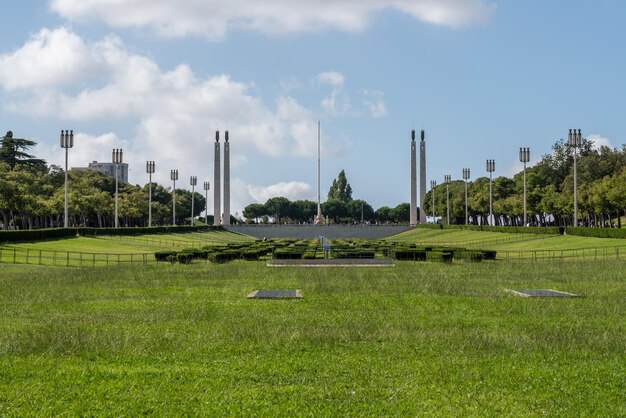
542,293
276,294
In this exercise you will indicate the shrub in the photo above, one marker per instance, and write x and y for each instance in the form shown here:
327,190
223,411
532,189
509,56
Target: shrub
163,255
596,232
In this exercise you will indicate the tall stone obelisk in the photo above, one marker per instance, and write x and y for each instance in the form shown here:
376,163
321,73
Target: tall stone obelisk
319,218
422,177
217,183
413,208
226,217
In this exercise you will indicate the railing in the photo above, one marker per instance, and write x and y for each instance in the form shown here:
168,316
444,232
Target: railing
482,242
599,253
18,255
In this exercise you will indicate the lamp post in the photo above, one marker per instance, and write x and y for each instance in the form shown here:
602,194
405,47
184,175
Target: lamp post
193,181
466,176
433,184
491,167
174,177
150,171
524,157
207,187
67,142
575,140
117,158
446,179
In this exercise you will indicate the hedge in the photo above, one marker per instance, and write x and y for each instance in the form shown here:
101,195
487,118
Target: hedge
55,233
596,232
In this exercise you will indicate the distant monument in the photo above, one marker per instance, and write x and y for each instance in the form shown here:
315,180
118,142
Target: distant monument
217,183
319,218
226,216
413,208
422,178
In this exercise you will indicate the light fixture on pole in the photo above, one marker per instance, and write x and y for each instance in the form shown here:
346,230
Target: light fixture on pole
446,179
433,184
491,167
150,170
193,182
174,177
117,158
67,141
524,157
575,140
207,187
466,176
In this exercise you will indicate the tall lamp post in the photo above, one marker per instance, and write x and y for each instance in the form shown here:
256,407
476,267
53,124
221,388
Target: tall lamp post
117,158
174,177
67,142
433,184
446,179
524,157
193,182
491,167
575,140
150,170
207,187
466,176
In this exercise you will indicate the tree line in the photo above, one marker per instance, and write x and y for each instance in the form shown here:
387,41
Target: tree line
601,178
32,195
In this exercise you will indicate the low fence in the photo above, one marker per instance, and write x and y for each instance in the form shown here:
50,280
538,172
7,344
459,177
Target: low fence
18,255
601,253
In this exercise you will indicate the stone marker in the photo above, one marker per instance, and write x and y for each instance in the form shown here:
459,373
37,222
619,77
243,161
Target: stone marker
543,293
276,294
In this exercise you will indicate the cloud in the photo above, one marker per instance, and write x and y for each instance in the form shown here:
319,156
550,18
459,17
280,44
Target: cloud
49,58
374,101
293,190
333,78
599,141
337,102
214,18
174,111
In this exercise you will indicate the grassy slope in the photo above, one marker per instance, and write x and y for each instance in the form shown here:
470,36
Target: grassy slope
140,244
416,339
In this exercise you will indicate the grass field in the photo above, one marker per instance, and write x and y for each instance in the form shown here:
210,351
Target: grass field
417,339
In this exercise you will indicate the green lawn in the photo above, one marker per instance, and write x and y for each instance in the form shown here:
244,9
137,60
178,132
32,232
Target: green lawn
417,339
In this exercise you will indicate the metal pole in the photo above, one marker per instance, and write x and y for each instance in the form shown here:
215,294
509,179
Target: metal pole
575,141
466,176
524,157
193,181
433,184
447,180
491,167
207,187
174,203
150,200
116,220
65,222
525,215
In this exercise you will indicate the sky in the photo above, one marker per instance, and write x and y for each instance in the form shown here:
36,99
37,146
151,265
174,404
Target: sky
157,78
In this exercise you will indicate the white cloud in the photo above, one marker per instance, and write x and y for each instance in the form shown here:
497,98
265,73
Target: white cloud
49,58
293,190
333,78
214,18
375,102
337,102
599,141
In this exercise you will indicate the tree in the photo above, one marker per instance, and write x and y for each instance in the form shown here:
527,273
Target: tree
12,152
340,189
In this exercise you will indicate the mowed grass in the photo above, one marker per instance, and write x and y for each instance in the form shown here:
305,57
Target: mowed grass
134,244
417,339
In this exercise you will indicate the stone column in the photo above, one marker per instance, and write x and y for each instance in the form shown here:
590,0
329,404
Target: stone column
226,217
422,177
217,189
413,214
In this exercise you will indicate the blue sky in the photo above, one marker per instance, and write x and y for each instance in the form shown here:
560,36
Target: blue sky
157,77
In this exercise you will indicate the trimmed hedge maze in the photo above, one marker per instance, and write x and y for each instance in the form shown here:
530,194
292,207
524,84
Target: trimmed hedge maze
291,249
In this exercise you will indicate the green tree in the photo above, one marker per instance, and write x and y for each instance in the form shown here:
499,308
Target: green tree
13,152
340,189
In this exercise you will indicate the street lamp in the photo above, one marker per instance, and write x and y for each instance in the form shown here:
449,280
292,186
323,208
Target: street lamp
193,181
433,184
67,141
466,176
117,158
575,140
446,179
524,157
150,171
491,167
174,177
207,187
